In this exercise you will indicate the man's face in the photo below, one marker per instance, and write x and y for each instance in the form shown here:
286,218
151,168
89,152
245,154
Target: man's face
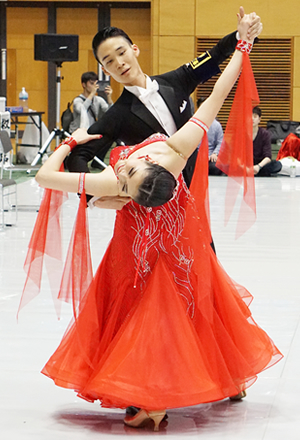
119,60
90,85
255,119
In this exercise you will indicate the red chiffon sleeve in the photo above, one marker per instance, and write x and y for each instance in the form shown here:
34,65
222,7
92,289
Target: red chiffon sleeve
72,280
236,155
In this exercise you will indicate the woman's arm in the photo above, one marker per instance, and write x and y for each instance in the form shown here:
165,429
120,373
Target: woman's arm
99,184
190,135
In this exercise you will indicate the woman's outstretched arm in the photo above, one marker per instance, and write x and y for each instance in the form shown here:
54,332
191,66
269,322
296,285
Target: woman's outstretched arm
190,135
49,176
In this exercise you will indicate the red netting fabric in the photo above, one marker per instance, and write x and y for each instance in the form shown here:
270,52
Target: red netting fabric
236,154
45,242
78,272
72,279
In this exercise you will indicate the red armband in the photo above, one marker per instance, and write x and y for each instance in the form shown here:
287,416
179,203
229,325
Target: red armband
71,142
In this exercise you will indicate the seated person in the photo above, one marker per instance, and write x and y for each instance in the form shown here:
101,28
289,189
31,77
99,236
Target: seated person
215,138
88,107
264,166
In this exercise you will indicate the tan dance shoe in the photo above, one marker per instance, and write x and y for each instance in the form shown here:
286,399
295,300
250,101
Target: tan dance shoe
239,396
143,417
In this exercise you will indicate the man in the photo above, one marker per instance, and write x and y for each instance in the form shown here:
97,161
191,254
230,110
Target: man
147,105
215,137
264,166
88,107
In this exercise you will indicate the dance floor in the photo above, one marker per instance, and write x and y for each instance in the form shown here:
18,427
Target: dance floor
265,260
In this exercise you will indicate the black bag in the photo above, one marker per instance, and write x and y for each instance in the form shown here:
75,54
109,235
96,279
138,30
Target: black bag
281,129
67,118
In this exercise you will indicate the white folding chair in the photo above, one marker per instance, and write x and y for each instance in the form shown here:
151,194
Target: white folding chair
7,155
8,189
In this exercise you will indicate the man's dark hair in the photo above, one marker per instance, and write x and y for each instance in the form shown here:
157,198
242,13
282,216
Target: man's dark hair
104,34
256,110
88,76
157,188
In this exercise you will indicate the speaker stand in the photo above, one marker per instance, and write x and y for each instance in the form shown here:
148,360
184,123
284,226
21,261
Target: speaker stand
56,133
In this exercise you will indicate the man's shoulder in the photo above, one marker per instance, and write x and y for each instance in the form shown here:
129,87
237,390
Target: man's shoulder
264,132
79,98
171,76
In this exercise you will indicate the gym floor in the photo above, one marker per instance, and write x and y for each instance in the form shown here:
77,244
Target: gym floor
265,260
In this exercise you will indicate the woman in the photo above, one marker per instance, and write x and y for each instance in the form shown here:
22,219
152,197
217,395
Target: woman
161,325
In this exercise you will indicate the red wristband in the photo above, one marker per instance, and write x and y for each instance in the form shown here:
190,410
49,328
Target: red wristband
71,142
244,46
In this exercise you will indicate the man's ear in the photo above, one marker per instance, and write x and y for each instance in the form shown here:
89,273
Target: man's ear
136,50
105,71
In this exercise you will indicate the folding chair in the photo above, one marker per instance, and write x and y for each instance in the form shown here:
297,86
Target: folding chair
8,189
7,155
6,150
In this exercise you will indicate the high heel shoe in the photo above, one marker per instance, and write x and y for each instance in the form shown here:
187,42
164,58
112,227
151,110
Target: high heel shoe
143,417
239,396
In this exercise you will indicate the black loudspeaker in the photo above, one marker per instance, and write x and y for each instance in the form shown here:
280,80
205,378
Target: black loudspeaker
55,47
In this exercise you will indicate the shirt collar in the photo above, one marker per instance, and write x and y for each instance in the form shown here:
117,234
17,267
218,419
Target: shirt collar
140,91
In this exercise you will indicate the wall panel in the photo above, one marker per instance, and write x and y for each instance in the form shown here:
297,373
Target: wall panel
170,57
82,22
23,70
170,18
177,17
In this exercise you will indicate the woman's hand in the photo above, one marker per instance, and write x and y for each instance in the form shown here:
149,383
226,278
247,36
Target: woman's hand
81,136
256,26
244,24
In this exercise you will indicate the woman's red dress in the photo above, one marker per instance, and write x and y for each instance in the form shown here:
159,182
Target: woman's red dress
183,336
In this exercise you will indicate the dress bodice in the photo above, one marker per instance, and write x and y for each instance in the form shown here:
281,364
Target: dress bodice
123,152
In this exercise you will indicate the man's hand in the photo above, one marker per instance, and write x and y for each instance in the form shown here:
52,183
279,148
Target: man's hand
213,157
108,91
256,26
256,169
81,136
93,90
112,202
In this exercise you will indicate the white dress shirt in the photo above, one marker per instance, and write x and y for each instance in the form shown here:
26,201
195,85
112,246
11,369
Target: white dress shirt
155,104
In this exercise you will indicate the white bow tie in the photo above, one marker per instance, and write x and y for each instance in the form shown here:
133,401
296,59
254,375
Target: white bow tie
146,93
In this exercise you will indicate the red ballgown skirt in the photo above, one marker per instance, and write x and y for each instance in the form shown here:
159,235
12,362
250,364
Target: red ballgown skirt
183,336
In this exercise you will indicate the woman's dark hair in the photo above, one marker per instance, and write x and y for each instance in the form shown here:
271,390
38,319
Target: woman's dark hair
157,188
104,34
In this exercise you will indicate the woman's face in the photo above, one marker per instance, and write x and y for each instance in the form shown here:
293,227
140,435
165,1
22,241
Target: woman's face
130,174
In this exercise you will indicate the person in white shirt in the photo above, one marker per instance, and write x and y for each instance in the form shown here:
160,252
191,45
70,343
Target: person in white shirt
88,107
